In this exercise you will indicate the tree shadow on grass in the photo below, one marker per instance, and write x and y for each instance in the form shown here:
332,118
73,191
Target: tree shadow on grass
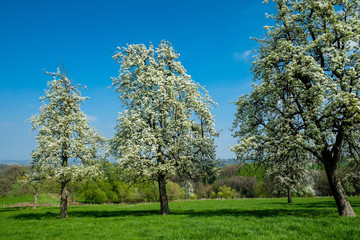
317,204
278,212
262,213
7,210
81,214
323,204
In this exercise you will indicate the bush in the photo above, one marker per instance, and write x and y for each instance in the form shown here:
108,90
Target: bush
150,192
203,191
260,190
194,196
122,190
226,192
133,196
94,195
245,186
213,194
174,191
109,190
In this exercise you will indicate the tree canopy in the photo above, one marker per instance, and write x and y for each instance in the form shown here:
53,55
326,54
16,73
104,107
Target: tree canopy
167,126
307,94
64,135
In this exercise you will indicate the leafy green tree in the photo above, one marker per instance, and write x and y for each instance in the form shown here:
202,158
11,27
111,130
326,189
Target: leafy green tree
167,126
9,176
252,170
307,95
64,135
228,171
151,192
93,194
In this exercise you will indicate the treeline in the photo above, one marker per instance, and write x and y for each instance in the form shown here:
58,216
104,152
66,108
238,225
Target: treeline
232,181
249,180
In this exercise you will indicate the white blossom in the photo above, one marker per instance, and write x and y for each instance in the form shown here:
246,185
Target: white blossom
167,126
307,94
64,134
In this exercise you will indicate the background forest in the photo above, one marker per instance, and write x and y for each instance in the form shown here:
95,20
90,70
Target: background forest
231,181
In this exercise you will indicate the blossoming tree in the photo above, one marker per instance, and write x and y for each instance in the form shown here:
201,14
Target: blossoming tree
34,179
290,173
64,135
167,126
308,73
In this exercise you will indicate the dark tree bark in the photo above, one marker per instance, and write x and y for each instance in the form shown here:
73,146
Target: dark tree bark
331,169
164,205
289,194
64,199
64,192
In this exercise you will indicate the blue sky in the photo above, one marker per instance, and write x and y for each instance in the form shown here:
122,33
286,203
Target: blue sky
212,37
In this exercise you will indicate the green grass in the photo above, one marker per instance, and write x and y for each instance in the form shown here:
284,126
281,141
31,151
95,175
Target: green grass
44,198
306,218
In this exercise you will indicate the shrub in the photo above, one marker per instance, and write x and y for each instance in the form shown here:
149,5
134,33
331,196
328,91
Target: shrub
174,191
213,194
194,196
95,195
245,186
226,192
121,190
109,190
203,191
150,192
260,190
133,196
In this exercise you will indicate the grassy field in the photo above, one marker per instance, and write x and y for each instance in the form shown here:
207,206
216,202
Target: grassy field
306,218
44,199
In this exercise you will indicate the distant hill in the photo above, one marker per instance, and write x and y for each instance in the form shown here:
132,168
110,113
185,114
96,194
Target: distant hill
224,162
17,162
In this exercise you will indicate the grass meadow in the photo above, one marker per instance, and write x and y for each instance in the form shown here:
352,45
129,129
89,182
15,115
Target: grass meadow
305,218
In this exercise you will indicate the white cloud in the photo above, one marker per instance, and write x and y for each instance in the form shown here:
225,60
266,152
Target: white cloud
242,56
91,118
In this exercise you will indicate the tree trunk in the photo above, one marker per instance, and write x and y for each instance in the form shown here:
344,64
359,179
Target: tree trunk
164,205
64,199
36,195
342,202
289,194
